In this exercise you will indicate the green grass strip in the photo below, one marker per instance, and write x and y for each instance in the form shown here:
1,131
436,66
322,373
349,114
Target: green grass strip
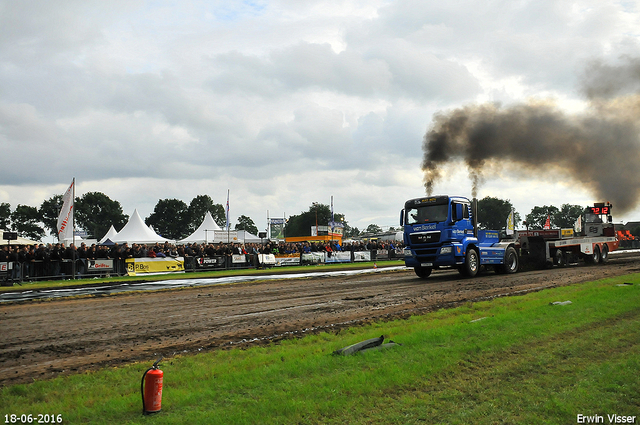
525,361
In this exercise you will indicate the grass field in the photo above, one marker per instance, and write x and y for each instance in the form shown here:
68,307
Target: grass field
509,360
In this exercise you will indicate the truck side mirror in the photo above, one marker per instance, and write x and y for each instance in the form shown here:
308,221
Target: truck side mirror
402,218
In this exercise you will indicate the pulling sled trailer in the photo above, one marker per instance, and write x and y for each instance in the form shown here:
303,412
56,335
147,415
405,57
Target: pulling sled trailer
442,232
564,246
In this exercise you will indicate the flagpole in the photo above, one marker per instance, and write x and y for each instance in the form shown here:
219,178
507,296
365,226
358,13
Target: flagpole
228,224
73,230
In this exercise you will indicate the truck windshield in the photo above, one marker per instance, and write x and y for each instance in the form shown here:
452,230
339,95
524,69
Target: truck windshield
427,214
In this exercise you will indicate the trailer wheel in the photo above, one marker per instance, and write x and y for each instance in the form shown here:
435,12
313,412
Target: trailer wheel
422,272
595,257
510,261
605,254
471,263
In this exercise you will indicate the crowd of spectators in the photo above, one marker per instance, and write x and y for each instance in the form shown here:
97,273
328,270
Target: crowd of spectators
52,260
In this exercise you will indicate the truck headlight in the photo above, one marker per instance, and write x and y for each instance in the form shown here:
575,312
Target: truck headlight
445,250
406,252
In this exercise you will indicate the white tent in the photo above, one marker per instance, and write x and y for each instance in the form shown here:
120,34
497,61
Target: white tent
111,234
135,231
246,237
19,241
204,233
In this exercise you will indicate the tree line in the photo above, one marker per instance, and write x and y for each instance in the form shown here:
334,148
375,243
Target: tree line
95,212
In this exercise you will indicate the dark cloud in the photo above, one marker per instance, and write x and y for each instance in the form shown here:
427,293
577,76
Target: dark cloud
598,149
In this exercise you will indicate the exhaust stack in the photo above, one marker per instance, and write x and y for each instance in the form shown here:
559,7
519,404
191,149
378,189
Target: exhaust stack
474,216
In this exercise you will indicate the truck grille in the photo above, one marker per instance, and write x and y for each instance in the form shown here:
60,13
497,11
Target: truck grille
426,237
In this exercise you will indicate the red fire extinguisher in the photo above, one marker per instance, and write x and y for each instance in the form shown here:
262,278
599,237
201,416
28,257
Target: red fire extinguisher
151,389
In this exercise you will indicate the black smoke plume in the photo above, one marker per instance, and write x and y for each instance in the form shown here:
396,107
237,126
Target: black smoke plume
598,149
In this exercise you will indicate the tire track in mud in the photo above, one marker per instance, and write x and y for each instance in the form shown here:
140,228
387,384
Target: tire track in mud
44,339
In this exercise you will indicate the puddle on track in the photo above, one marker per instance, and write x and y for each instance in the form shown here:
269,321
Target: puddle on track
169,284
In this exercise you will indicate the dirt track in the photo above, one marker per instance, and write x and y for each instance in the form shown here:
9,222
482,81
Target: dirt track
45,339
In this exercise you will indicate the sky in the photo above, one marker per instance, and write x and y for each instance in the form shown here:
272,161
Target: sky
285,103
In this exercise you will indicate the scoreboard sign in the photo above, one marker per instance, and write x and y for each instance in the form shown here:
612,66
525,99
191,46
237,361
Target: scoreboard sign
600,209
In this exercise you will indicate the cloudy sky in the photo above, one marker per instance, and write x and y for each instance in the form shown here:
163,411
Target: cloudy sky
283,103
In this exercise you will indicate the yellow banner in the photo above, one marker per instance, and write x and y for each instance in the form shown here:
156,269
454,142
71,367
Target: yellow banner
567,233
154,265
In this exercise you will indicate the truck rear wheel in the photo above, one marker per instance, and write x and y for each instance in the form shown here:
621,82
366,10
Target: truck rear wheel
604,256
510,261
595,257
471,263
422,272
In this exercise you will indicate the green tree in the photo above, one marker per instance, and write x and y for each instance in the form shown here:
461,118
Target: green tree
95,212
567,216
538,216
245,223
49,212
199,206
300,225
373,228
26,222
350,232
170,218
493,213
5,216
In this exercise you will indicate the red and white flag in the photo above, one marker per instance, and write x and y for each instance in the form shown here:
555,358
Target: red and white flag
547,224
65,219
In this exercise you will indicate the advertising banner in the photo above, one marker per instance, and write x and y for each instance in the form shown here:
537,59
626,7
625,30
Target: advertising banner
382,254
289,260
268,259
313,257
137,266
99,265
210,262
238,259
224,236
276,228
339,257
362,256
5,267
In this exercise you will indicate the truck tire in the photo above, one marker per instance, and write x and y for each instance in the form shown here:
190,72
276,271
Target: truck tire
604,256
595,257
510,261
471,263
422,272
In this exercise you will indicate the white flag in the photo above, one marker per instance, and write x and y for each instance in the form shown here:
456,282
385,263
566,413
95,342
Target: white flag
511,226
65,219
577,226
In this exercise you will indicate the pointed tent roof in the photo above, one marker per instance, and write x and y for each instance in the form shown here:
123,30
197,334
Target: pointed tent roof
111,234
135,231
200,234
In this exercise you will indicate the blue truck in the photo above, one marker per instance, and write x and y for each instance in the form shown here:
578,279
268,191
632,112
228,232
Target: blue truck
442,232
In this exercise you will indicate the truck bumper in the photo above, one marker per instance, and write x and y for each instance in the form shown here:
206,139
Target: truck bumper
435,260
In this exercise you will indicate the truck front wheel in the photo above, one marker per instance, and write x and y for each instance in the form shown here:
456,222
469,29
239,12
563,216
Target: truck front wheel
422,272
471,263
510,261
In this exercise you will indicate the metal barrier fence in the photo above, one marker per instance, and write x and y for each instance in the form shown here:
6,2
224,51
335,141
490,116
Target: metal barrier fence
16,272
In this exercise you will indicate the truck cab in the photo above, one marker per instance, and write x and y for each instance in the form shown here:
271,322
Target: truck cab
441,231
